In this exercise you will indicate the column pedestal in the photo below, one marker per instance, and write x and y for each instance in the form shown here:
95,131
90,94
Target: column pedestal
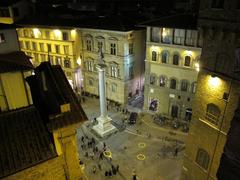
104,126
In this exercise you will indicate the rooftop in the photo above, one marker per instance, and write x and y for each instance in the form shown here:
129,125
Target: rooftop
15,61
181,21
25,140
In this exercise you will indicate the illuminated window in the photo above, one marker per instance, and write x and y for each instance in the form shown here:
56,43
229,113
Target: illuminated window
100,45
25,33
162,81
34,46
202,158
58,60
191,37
113,48
179,36
27,45
41,46
154,56
67,63
114,87
35,57
50,58
155,34
21,44
49,47
173,84
89,65
57,49
164,57
213,113
175,59
43,57
218,4
89,45
65,36
66,49
167,35
187,61
152,79
130,48
114,71
184,85
2,38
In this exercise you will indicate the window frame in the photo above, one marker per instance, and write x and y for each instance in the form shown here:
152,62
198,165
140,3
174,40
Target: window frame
202,158
184,85
210,116
171,84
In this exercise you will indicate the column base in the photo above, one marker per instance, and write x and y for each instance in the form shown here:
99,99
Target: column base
104,126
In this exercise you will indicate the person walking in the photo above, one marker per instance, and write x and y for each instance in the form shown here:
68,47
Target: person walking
134,176
176,152
94,169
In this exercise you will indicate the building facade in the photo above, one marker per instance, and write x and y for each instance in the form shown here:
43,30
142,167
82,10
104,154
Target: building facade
172,64
59,46
217,93
124,57
77,51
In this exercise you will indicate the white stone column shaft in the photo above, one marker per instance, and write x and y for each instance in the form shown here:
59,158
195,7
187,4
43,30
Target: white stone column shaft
102,95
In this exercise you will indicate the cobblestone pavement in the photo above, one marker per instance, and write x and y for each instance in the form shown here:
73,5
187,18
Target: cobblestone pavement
145,148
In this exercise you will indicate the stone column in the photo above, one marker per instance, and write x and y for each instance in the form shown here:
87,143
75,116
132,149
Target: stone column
104,126
102,92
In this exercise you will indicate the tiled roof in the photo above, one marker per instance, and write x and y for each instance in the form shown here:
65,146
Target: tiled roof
58,92
76,114
25,140
113,22
7,26
14,61
181,21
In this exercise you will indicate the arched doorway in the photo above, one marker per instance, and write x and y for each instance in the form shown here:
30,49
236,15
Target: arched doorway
174,111
188,114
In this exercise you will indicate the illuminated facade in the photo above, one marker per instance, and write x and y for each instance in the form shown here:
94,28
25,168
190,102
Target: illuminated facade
172,65
123,55
59,46
217,93
77,51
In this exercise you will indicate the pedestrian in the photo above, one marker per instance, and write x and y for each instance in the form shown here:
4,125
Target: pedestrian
94,169
86,154
96,149
101,156
82,146
93,141
114,170
110,172
106,173
82,139
117,168
99,167
176,152
134,176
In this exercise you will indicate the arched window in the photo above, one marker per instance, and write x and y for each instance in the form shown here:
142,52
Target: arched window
187,61
164,57
154,56
175,59
173,84
212,114
184,85
114,87
162,81
90,82
202,158
152,79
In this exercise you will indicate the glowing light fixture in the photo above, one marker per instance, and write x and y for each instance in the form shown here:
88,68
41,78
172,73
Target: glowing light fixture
197,66
189,53
151,90
214,81
164,33
73,33
57,33
36,33
79,61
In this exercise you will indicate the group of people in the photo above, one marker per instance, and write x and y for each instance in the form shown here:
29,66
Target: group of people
93,151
